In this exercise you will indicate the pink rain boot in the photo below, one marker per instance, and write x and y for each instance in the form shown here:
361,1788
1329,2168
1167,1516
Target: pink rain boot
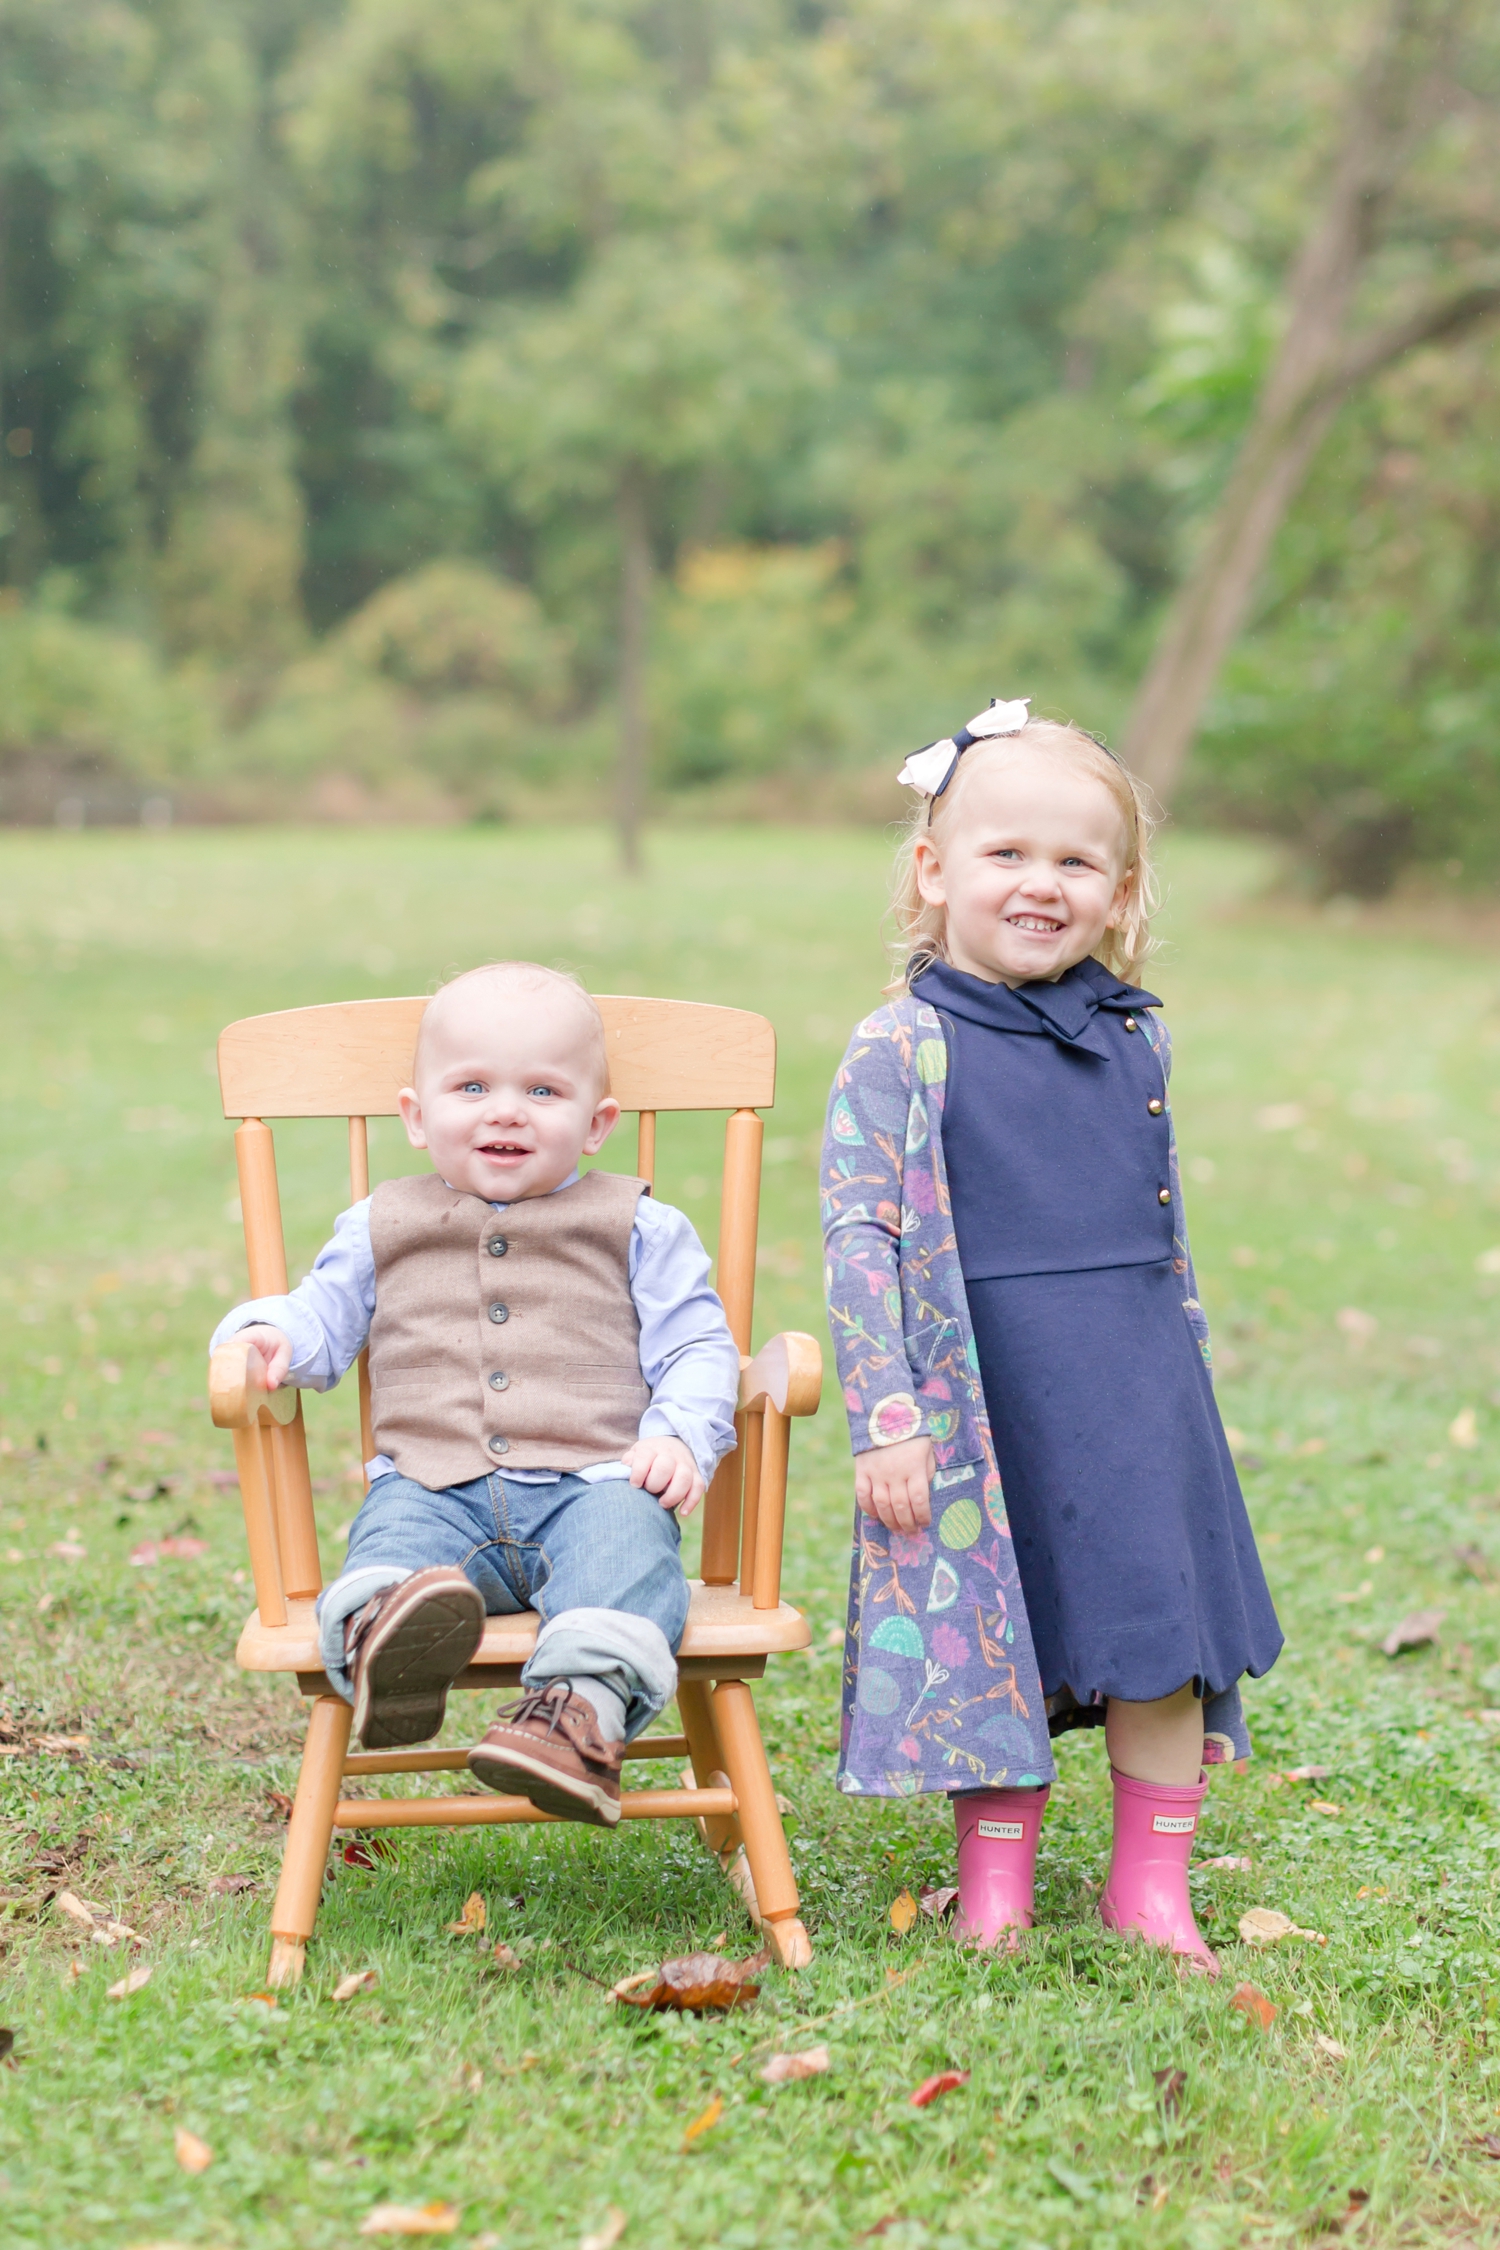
1147,1888
998,1831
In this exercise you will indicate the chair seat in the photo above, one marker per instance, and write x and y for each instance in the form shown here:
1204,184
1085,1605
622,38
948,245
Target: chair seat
723,1624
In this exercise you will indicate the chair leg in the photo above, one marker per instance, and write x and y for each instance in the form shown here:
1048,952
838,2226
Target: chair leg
721,1832
308,1838
760,1819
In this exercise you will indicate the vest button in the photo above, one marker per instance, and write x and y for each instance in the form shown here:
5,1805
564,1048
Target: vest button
498,1444
498,1246
499,1382
499,1313
1130,1023
1155,1107
1164,1195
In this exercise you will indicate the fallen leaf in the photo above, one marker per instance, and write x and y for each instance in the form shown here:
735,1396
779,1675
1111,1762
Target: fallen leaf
704,2122
1477,1563
1264,1926
143,1556
1330,2046
943,2083
1228,1863
1323,1805
404,2218
256,2000
280,1803
1170,2084
473,1918
114,1933
1307,1773
696,1982
70,1550
127,1985
1252,2002
366,1850
939,1904
631,1984
717,1942
1489,2142
358,1980
70,1904
502,1956
60,1744
1413,1632
72,1972
1463,1431
473,2079
225,1886
810,2063
192,2154
605,2237
903,1913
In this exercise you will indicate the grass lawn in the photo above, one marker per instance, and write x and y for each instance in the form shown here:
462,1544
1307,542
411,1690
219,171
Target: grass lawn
1337,1106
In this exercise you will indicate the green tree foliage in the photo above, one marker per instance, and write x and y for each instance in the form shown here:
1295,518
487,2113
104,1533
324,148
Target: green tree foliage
773,382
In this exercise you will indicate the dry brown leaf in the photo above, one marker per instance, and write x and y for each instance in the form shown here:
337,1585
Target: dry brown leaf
1252,2002
358,1980
502,1956
942,2082
630,1984
904,1911
226,1886
704,2122
810,2063
1264,1926
1228,1863
473,1918
133,1983
695,1982
473,2079
192,2154
114,1933
1415,1631
1170,2084
69,1903
280,1803
717,1942
73,1972
1323,1805
405,2218
1330,2046
60,1744
605,2237
1489,2142
938,1903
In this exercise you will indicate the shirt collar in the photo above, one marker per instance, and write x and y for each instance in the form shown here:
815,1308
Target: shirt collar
1065,1010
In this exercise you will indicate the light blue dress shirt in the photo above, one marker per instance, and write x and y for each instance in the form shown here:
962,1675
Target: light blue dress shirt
688,1357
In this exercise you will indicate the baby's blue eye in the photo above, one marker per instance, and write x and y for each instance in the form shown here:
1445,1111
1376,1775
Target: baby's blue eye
546,1092
473,1087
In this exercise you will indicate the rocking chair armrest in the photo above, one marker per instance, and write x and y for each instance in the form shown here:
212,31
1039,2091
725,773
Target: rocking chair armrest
787,1370
234,1399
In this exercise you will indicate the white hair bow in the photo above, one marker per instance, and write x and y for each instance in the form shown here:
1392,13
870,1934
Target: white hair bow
930,770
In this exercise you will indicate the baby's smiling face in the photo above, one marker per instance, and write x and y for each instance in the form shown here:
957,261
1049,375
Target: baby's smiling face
1029,867
508,1089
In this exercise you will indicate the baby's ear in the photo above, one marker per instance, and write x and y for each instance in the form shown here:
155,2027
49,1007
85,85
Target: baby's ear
411,1116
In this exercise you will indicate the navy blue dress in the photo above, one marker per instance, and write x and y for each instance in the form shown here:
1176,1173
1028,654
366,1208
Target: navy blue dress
1136,1557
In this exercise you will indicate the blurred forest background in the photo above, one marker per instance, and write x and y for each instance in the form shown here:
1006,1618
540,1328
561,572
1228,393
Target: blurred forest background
421,412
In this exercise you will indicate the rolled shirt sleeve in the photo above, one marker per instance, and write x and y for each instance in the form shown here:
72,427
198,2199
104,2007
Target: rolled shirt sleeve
688,1357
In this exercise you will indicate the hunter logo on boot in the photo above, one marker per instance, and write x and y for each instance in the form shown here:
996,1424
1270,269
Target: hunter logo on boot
1009,1831
1171,1824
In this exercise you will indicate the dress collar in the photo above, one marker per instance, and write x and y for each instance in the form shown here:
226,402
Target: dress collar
1065,1010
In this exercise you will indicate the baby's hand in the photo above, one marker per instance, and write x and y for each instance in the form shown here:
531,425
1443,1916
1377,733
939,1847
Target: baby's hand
273,1349
665,1466
892,1483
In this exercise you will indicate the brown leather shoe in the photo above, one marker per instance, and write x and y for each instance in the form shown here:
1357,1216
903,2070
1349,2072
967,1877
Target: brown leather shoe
405,1649
548,1747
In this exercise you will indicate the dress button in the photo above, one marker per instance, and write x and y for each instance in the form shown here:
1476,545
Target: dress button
499,1382
499,1444
498,1246
1164,1195
1131,1024
499,1313
1155,1107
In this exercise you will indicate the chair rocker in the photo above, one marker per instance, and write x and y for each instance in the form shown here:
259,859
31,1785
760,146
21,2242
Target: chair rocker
349,1060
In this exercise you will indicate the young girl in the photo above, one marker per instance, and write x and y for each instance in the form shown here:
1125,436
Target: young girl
1013,1306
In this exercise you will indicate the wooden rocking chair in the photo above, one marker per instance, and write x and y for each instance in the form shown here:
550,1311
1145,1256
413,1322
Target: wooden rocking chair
349,1060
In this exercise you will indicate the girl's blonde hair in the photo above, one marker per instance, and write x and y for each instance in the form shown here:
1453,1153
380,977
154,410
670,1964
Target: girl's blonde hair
921,935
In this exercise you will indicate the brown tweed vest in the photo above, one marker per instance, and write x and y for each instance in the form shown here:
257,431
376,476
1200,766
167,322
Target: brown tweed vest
504,1339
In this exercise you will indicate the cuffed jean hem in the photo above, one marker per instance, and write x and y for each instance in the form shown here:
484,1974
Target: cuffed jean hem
337,1604
628,1655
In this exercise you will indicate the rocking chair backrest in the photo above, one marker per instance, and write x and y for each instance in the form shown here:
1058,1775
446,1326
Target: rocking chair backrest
351,1060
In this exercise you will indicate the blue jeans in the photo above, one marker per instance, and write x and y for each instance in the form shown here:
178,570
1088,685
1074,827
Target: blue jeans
600,1564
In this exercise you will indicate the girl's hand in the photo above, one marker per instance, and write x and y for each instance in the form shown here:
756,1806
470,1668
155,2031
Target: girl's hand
892,1483
665,1466
274,1351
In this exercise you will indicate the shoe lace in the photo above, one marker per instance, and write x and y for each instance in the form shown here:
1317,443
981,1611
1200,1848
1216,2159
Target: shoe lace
549,1703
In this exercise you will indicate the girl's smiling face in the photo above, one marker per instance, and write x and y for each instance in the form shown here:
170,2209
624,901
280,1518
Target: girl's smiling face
1028,865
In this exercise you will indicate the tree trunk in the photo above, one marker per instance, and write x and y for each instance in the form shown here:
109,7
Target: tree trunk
1312,373
635,607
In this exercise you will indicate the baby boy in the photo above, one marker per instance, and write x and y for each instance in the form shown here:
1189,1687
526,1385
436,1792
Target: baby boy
552,1383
